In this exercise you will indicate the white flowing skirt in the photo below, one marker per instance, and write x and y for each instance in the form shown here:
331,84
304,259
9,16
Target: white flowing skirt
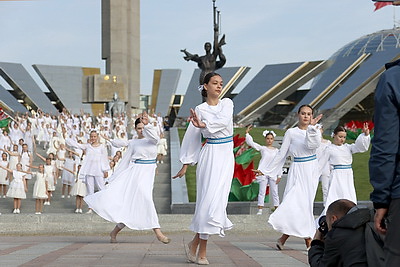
341,187
213,183
39,189
294,216
79,188
129,198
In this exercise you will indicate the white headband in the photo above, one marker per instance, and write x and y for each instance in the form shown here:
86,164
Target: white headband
269,132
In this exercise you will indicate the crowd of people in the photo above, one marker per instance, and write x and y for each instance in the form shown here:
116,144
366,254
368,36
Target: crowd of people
67,148
82,152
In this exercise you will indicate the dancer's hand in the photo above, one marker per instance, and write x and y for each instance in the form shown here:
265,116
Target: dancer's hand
144,118
181,172
257,172
195,120
249,128
365,129
316,119
278,180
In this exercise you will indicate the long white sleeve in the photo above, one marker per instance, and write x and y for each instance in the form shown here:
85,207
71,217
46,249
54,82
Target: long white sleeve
150,132
119,143
250,142
275,167
71,142
191,146
361,144
313,137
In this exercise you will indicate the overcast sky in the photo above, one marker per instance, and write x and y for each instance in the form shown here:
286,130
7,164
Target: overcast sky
258,32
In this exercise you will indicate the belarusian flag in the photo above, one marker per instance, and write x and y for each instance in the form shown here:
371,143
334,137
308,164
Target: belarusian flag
379,5
4,119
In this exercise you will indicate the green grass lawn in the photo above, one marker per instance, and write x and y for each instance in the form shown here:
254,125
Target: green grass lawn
360,167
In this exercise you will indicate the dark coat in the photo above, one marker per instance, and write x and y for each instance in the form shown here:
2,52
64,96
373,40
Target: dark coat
384,167
344,244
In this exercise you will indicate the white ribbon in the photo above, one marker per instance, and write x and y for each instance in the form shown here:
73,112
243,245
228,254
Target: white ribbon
200,88
269,132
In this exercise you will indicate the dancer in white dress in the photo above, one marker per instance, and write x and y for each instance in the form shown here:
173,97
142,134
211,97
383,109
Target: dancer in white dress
60,159
95,164
4,175
324,167
26,159
339,156
268,153
39,188
215,165
128,199
5,141
162,147
294,216
68,178
17,188
78,190
14,157
51,180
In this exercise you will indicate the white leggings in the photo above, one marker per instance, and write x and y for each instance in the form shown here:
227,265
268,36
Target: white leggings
273,190
92,181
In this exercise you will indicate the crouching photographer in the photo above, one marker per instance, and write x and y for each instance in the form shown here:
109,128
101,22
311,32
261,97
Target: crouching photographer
344,242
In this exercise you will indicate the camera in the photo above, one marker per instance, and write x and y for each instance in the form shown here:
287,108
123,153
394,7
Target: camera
323,226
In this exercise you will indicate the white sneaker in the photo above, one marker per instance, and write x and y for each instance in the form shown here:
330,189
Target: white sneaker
4,196
18,211
80,211
77,211
38,213
89,212
15,211
62,196
162,162
69,196
259,212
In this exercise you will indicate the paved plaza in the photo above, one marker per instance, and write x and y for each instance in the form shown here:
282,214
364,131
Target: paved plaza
143,249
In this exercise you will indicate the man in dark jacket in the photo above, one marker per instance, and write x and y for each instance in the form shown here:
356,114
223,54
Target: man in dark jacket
384,166
344,244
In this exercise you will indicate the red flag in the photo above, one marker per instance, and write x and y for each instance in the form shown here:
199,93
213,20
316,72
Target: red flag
379,5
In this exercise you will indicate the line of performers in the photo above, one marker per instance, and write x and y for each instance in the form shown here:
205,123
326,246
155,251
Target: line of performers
128,199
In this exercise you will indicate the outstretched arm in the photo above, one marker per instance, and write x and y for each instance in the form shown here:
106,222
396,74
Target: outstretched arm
41,157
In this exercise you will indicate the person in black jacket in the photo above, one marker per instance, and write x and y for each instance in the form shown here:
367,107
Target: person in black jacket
384,167
344,244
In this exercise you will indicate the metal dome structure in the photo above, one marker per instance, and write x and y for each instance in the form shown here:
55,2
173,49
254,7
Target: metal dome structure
351,77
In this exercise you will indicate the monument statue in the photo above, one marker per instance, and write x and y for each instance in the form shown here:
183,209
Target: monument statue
116,106
209,63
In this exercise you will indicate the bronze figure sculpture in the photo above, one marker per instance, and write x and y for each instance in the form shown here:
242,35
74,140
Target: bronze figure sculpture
209,63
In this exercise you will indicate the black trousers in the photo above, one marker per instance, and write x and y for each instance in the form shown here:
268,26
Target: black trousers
392,239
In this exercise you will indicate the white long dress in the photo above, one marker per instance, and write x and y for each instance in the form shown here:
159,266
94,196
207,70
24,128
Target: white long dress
17,188
49,170
294,216
215,165
67,177
4,173
128,199
79,188
39,188
340,159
